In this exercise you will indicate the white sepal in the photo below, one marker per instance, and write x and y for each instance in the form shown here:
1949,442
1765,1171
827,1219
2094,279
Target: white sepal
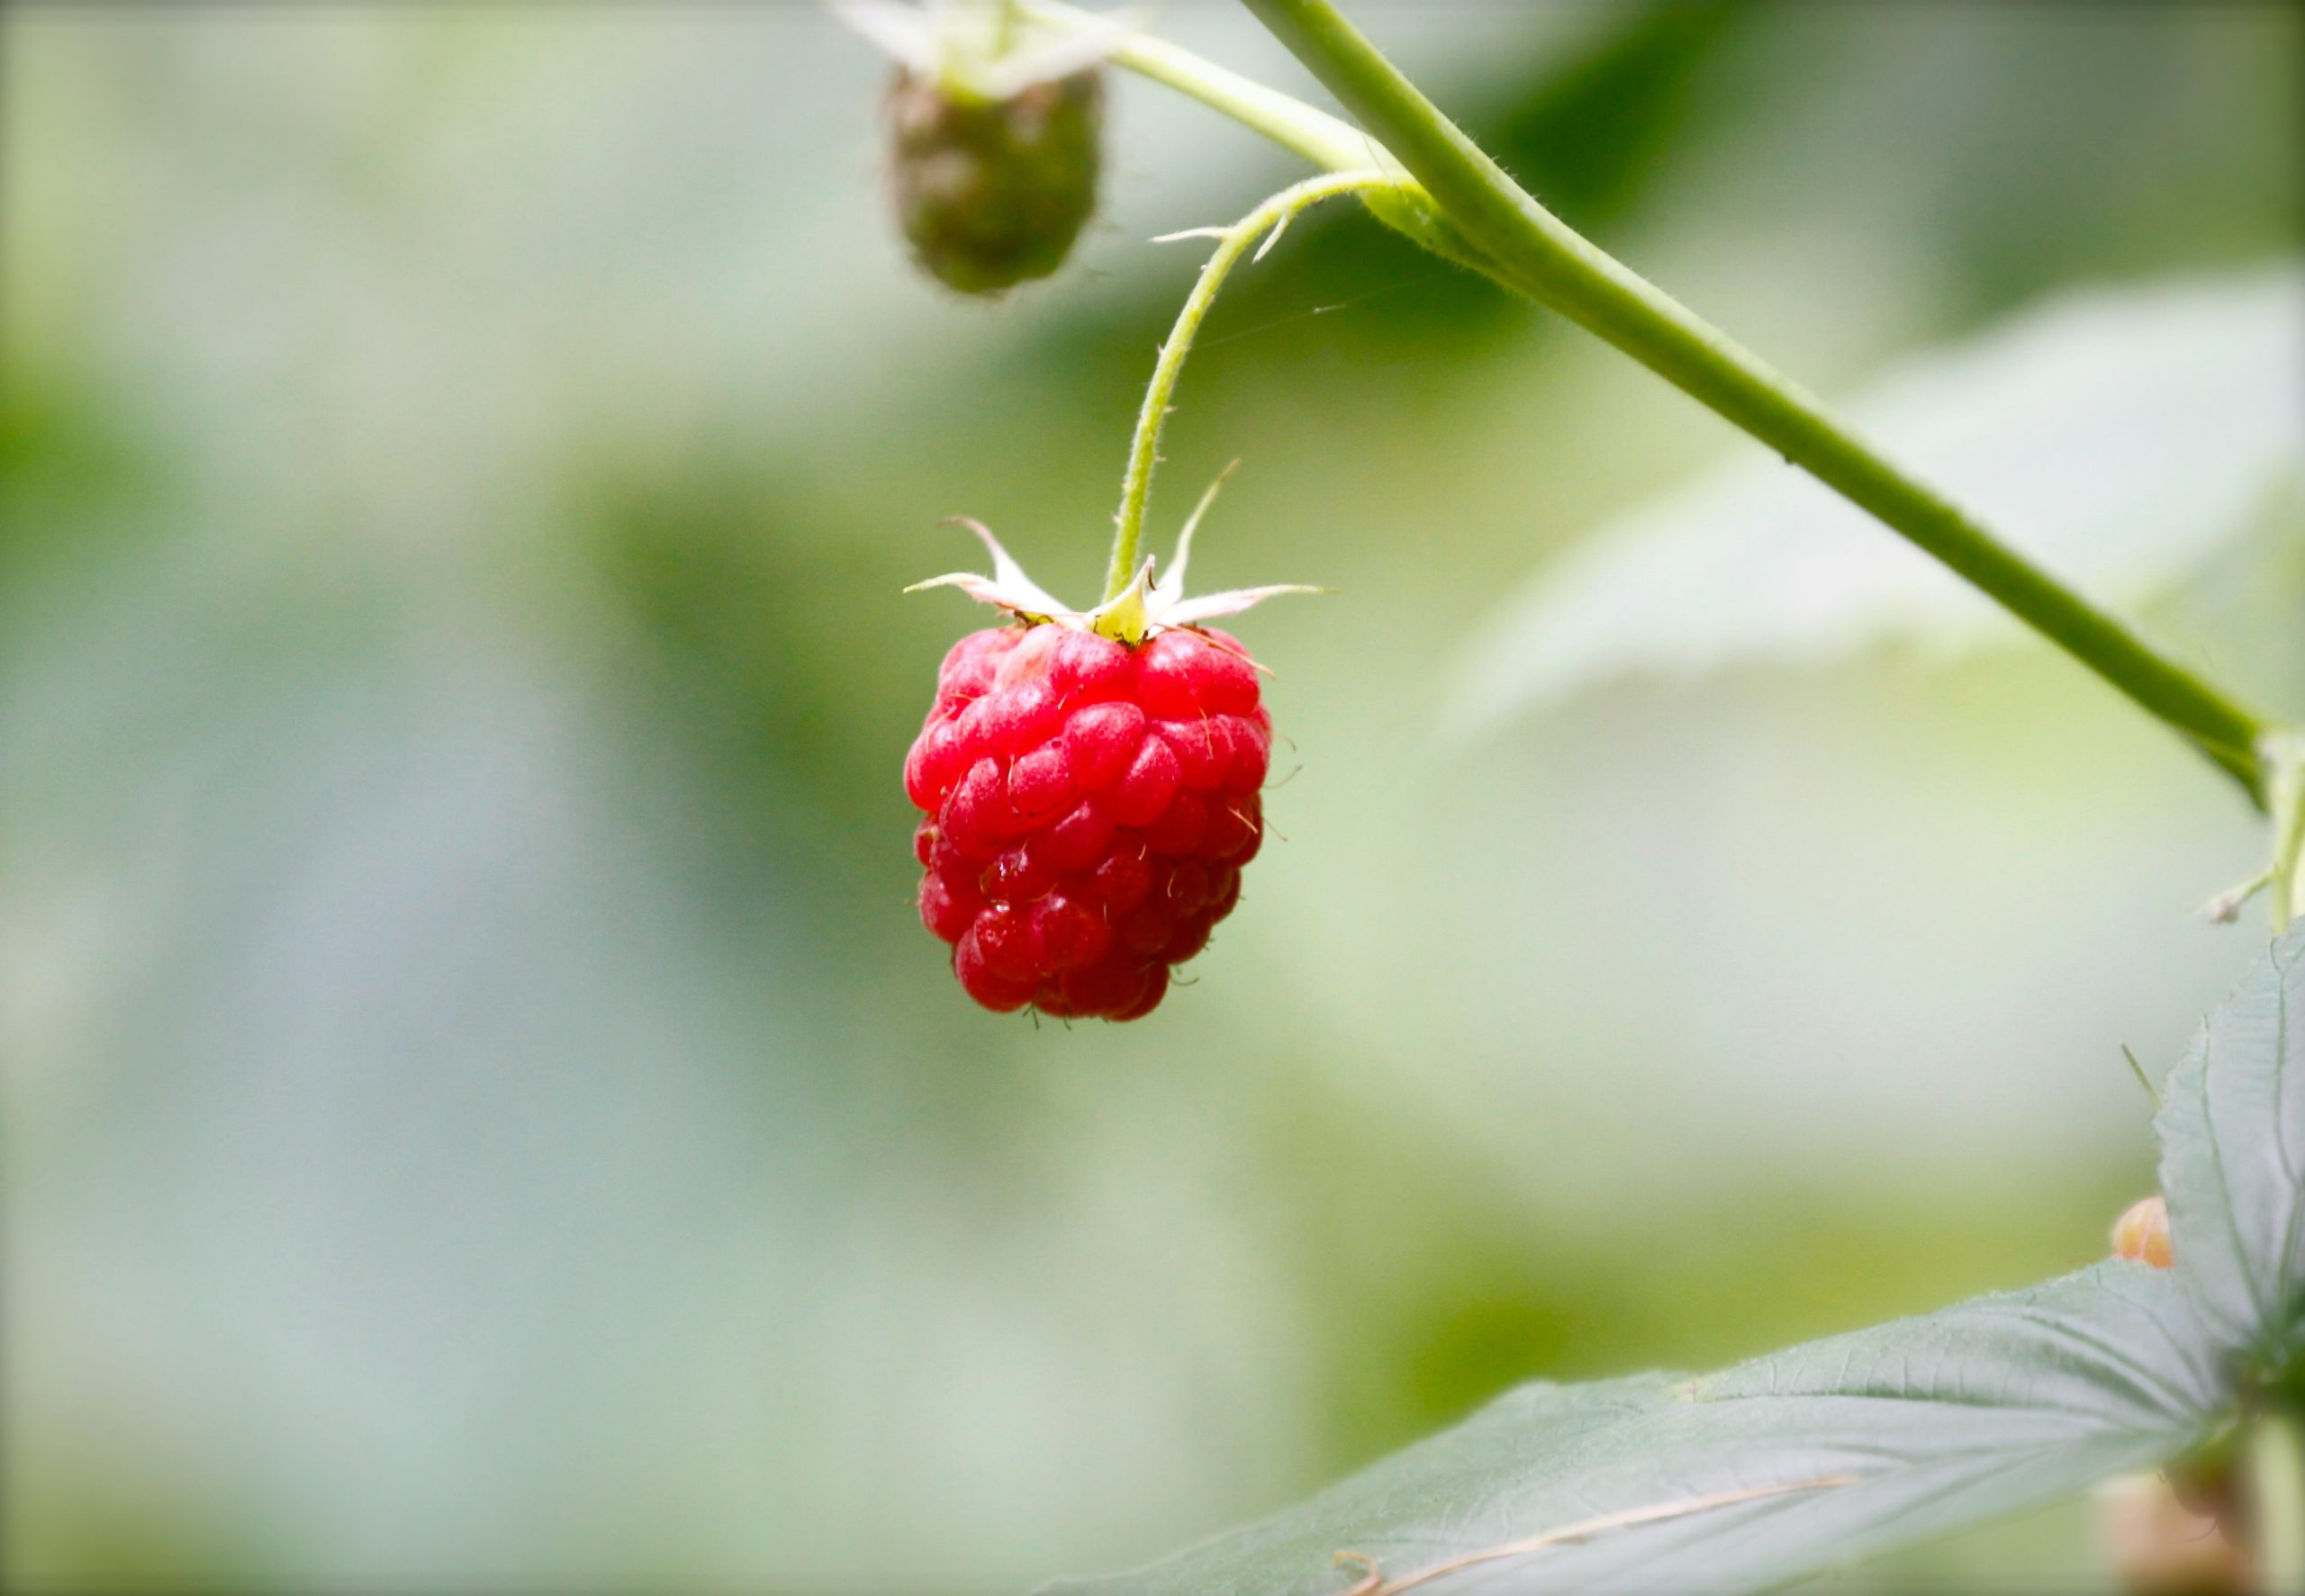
960,45
1007,587
1061,56
1173,589
1147,605
1191,612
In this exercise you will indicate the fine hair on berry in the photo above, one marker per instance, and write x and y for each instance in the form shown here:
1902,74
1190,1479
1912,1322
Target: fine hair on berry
1088,808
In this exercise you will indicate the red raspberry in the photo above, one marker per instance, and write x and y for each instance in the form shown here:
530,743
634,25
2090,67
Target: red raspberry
1089,807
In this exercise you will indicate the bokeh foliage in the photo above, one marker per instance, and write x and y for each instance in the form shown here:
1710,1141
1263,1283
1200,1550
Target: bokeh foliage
478,1103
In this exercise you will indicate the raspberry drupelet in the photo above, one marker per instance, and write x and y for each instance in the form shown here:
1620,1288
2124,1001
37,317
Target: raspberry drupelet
1088,808
1088,783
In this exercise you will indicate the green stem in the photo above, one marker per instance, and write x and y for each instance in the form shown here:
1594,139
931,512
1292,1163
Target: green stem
2277,1500
1484,220
2284,763
1327,141
1233,242
1525,244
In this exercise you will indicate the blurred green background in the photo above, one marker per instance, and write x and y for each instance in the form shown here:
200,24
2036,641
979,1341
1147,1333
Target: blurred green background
479,1107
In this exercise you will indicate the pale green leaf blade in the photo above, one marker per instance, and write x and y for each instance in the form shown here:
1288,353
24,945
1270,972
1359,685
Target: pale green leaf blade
2121,438
1859,1442
2233,1159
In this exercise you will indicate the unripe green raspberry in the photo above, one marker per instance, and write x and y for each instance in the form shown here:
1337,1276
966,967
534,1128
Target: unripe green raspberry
991,193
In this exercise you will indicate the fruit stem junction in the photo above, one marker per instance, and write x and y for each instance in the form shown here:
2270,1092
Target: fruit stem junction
1460,204
1267,222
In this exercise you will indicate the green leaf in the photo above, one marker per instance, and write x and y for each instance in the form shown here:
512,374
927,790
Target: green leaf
2233,1161
2122,439
1770,1470
1792,1464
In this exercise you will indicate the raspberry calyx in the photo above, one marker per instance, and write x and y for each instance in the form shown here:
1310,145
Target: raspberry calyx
1090,785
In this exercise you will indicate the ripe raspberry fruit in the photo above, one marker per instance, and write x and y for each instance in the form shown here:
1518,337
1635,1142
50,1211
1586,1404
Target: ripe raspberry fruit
1090,789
